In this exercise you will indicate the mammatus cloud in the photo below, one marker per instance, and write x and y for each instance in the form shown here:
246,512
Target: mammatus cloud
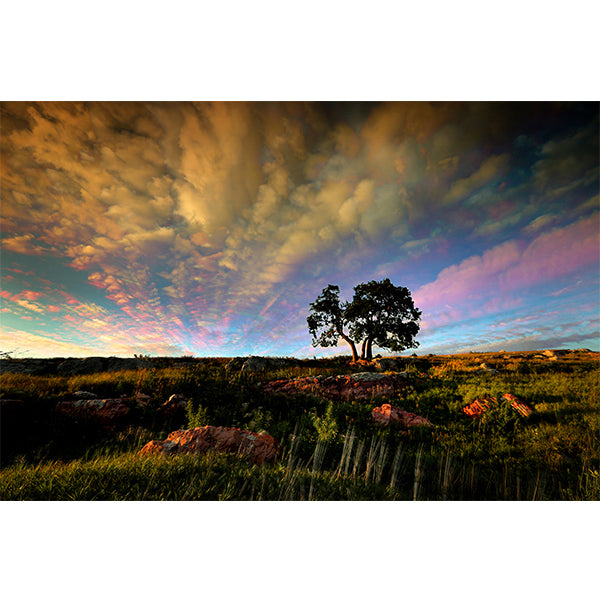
195,223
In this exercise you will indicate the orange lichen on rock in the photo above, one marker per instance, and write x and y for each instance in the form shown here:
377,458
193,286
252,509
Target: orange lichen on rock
344,388
258,447
481,405
518,405
386,414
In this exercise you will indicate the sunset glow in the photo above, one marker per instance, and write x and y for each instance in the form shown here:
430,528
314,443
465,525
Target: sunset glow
208,228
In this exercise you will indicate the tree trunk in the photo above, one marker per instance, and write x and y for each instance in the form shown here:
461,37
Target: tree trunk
363,349
351,344
369,349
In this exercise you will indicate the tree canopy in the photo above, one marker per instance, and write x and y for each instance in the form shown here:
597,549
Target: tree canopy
380,313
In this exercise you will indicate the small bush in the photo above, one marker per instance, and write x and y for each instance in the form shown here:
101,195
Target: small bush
196,417
326,426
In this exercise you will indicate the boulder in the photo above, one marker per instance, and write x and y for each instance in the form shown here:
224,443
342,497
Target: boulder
554,354
388,364
358,386
174,406
108,413
141,399
258,447
520,406
481,405
386,414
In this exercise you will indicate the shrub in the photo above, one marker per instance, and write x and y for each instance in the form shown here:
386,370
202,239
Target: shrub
195,417
326,426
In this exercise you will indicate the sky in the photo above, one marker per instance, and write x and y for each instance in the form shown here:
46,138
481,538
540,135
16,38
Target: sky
207,228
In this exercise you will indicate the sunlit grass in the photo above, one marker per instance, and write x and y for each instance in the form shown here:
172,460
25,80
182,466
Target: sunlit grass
330,450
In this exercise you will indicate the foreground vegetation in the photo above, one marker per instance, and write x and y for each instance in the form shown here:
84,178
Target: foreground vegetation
330,451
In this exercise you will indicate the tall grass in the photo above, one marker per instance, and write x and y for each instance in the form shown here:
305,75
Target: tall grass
331,450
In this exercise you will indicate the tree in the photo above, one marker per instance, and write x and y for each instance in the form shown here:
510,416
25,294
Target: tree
383,314
380,313
327,320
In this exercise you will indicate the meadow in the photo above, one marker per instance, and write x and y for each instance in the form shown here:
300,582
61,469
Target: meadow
330,450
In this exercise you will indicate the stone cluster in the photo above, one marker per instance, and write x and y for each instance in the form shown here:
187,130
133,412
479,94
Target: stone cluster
481,405
387,414
358,386
253,364
257,447
106,412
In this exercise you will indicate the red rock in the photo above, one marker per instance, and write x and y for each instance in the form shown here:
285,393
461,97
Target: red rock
142,399
386,414
174,406
518,405
479,406
358,386
258,447
107,412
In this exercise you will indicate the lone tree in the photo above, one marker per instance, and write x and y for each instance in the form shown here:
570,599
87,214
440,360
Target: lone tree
380,313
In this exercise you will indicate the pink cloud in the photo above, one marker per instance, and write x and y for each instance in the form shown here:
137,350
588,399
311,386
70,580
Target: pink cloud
474,276
68,298
559,252
31,295
512,266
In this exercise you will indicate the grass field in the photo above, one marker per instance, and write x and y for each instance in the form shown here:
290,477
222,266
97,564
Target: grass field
330,451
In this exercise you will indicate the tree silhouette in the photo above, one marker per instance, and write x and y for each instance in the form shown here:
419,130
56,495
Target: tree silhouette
380,313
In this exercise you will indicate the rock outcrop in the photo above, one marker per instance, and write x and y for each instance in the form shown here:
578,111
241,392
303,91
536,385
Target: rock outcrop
481,405
108,413
520,406
174,406
389,364
386,414
258,447
358,386
101,364
29,366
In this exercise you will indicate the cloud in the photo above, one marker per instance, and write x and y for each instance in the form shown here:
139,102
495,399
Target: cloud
491,169
23,244
569,162
512,267
471,277
540,222
186,217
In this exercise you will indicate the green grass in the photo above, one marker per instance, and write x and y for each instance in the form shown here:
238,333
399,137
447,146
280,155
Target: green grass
330,450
